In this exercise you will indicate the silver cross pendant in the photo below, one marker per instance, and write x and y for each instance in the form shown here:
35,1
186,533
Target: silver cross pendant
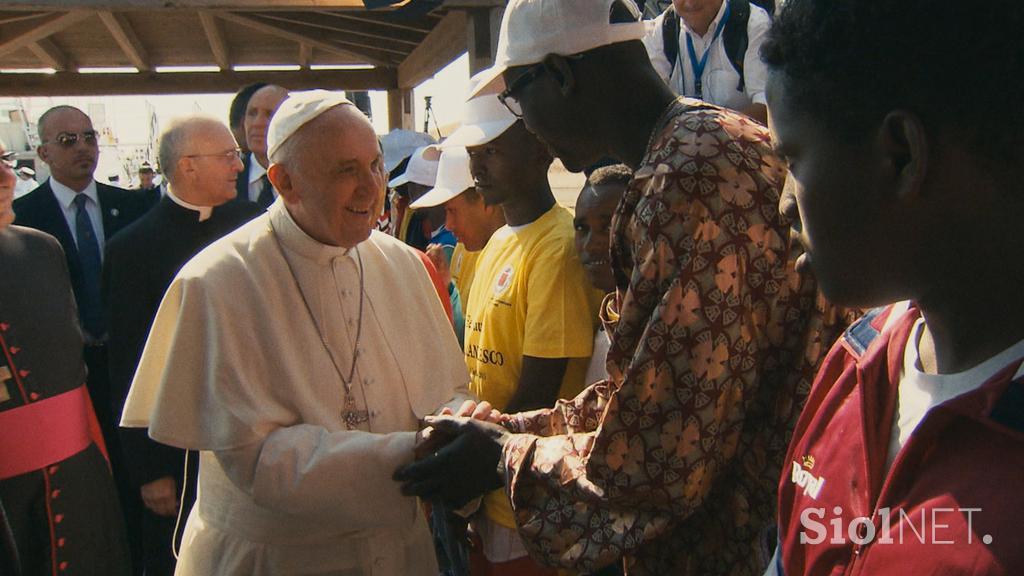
352,417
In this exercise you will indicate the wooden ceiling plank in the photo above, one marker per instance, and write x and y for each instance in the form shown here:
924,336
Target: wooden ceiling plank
12,17
50,55
116,5
74,84
51,24
314,21
215,37
363,49
121,29
444,44
415,26
295,37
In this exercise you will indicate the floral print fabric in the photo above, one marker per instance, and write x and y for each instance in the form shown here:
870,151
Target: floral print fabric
672,464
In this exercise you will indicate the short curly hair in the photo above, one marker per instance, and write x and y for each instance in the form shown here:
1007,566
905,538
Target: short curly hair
953,63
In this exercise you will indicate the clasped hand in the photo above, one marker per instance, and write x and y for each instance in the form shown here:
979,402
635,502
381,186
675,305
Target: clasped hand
459,456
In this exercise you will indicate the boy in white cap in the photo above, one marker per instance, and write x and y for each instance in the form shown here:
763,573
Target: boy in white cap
670,467
284,355
423,226
468,217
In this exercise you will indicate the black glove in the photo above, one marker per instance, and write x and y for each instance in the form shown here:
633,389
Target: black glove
464,469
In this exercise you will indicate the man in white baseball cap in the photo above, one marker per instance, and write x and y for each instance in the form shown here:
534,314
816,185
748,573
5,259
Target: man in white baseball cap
672,466
298,355
530,316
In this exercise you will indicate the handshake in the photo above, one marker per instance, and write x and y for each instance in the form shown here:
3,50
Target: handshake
458,456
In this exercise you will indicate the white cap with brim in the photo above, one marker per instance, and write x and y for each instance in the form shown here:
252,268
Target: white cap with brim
532,29
297,110
484,118
422,168
453,178
400,144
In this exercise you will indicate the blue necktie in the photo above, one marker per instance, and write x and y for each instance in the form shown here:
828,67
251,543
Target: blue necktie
90,308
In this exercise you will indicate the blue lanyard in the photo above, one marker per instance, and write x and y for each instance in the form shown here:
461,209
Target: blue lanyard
698,67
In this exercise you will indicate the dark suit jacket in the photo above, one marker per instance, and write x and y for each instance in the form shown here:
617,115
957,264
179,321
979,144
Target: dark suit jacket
39,209
139,266
242,182
149,196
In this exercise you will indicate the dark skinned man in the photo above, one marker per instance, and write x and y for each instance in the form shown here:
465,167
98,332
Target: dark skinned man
670,466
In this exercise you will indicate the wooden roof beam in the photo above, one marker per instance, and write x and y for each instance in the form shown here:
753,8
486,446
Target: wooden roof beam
273,30
420,25
359,47
126,38
348,29
50,25
74,84
215,37
187,4
50,55
443,45
12,17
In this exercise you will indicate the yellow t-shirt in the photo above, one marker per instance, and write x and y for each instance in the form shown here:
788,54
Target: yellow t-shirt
530,298
463,270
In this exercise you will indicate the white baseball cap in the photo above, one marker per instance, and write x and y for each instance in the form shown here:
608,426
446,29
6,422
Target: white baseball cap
298,109
484,118
422,168
453,178
532,29
399,144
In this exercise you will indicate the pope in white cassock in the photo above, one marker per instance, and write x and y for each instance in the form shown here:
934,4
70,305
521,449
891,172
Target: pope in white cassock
297,355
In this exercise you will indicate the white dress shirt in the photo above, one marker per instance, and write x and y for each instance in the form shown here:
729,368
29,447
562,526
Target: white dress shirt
66,198
256,171
720,80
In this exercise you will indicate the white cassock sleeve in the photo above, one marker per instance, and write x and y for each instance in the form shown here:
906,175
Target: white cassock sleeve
338,476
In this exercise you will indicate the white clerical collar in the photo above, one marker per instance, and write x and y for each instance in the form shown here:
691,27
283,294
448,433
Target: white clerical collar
204,211
256,170
296,240
65,196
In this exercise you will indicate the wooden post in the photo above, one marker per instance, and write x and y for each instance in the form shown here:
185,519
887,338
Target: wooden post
400,109
482,25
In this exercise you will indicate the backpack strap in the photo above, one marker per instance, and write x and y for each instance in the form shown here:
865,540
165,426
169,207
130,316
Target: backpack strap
734,37
670,38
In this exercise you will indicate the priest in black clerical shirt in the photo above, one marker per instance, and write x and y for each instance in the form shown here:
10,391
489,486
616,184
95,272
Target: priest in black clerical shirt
200,159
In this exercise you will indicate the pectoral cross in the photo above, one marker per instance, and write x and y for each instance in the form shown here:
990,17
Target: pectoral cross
352,417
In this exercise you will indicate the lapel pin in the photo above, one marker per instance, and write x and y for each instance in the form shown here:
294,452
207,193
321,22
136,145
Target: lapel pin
114,212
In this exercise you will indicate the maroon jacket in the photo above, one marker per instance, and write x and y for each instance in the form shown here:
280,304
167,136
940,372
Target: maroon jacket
954,497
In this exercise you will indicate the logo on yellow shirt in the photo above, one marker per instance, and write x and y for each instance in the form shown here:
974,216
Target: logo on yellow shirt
457,264
504,280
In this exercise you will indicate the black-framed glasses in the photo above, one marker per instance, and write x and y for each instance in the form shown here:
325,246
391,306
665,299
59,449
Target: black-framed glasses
69,139
227,155
8,159
509,100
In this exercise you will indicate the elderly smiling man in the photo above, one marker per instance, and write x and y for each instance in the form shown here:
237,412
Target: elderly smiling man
284,355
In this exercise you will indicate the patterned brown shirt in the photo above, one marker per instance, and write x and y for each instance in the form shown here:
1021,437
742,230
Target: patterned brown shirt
673,463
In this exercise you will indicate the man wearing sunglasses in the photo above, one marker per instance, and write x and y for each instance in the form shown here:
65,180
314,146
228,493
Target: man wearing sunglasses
83,214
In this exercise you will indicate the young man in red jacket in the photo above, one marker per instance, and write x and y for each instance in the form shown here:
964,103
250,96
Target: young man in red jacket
909,455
